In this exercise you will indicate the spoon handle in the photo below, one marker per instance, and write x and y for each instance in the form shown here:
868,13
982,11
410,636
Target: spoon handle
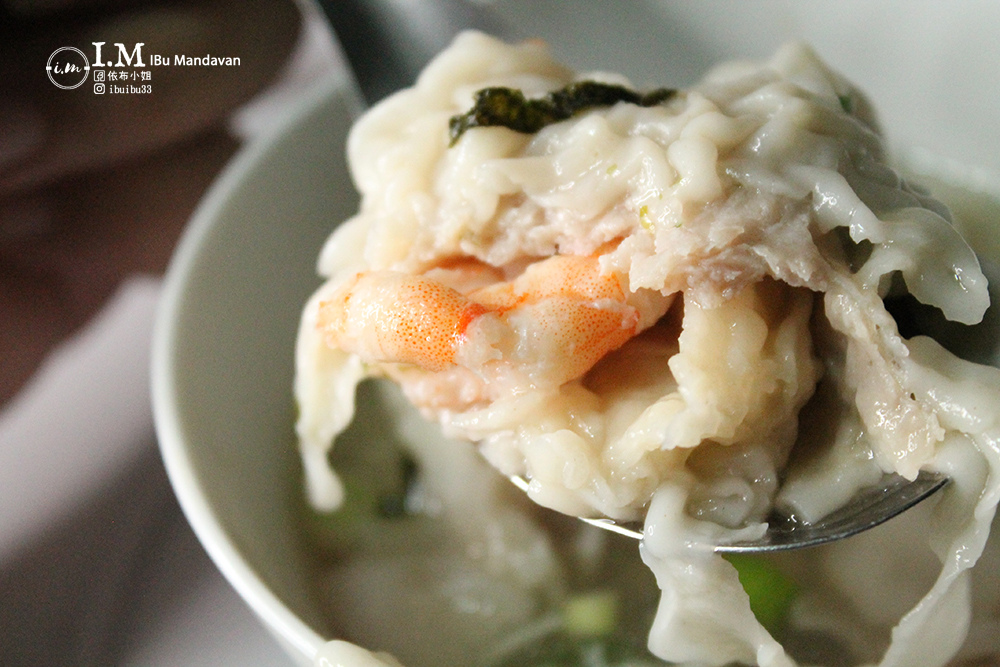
388,42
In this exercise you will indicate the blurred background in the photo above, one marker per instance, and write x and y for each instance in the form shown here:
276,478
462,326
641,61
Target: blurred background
97,564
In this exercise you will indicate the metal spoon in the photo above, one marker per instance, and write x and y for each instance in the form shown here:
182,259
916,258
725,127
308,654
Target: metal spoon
870,507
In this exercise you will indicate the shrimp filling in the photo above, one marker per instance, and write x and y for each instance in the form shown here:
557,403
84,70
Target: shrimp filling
545,327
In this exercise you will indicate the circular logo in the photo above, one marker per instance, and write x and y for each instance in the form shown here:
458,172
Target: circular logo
67,67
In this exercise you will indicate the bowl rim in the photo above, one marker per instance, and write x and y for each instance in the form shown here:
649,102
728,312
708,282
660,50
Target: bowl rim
195,505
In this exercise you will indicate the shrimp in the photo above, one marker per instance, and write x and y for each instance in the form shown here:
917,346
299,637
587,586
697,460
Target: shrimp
548,325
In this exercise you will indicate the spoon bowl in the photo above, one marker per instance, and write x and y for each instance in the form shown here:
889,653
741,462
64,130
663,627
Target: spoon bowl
870,507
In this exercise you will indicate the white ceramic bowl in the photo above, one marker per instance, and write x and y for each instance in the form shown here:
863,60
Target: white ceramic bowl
223,351
223,358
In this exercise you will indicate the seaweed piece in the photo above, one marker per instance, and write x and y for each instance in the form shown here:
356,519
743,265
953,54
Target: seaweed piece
508,107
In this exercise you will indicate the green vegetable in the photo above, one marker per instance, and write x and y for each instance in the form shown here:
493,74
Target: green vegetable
770,590
593,614
369,500
508,107
392,504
